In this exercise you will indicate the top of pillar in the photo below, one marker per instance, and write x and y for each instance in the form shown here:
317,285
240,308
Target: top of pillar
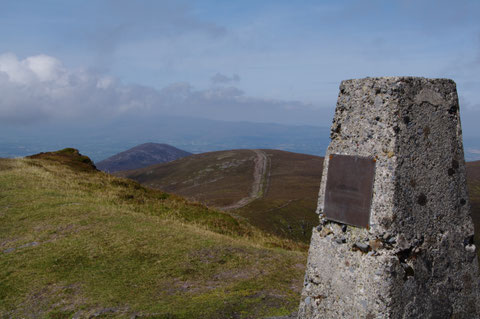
400,78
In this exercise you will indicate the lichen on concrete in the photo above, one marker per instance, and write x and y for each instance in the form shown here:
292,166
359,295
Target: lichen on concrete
417,258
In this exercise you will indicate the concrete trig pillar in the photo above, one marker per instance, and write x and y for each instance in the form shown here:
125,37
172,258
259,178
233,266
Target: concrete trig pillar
397,172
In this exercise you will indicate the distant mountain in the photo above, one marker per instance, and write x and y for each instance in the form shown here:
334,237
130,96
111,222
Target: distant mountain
274,190
100,140
141,156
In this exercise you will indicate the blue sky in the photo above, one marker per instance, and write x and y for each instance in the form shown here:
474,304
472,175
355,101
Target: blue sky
264,61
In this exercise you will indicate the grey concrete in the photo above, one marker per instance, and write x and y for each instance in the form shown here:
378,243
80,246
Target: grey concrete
417,259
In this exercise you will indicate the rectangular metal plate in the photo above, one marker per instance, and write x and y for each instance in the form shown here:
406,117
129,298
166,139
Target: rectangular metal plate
349,189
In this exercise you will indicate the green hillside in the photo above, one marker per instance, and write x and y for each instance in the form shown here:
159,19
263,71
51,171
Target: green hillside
283,204
75,242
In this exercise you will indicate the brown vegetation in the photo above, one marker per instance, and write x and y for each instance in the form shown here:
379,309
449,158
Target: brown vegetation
284,204
473,179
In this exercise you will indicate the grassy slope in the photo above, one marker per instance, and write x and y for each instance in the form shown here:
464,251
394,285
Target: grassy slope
74,241
287,208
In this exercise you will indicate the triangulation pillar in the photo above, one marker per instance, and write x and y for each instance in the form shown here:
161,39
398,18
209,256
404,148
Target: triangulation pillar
395,238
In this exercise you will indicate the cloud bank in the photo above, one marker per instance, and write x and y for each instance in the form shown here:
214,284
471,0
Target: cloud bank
40,88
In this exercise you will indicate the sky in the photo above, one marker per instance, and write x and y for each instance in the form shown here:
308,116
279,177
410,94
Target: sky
261,61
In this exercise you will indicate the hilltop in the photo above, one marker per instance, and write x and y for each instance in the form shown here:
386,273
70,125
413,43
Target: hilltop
76,242
141,156
69,157
274,190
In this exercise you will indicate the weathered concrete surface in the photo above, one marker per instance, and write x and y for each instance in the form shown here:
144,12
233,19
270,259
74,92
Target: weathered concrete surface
417,259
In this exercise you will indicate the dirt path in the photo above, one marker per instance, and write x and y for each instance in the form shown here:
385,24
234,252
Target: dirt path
261,176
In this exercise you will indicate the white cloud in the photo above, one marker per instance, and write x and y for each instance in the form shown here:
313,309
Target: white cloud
15,71
44,67
40,88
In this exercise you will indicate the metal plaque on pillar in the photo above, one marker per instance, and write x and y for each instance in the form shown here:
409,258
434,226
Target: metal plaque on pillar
349,189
